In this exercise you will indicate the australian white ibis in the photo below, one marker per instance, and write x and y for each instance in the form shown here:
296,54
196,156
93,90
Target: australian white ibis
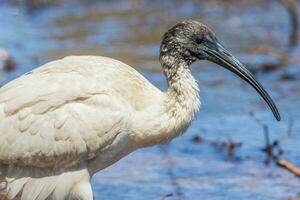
68,119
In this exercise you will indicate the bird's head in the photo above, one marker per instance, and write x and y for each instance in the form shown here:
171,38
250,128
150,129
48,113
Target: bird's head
190,40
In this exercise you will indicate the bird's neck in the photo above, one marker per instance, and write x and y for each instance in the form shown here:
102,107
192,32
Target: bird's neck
182,98
178,108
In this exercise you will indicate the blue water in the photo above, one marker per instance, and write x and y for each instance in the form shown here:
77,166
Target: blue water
130,31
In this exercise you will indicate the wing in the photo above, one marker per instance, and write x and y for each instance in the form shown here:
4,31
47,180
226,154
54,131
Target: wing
58,118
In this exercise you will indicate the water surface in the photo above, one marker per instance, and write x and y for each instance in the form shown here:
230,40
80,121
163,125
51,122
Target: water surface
130,31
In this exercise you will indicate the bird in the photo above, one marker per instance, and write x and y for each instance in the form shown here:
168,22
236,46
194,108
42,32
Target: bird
65,121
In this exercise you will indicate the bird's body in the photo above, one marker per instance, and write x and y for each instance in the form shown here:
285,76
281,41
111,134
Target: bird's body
58,117
67,120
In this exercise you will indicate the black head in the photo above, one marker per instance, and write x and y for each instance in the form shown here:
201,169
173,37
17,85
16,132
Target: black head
187,41
190,40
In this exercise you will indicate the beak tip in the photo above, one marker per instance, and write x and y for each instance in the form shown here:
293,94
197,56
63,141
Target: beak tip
277,115
278,118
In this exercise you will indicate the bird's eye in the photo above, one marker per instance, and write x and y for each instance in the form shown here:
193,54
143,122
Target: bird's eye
209,38
198,39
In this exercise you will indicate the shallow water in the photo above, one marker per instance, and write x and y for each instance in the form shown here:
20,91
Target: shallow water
130,31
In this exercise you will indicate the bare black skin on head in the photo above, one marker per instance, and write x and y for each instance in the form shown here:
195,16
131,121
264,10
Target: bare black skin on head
190,40
183,39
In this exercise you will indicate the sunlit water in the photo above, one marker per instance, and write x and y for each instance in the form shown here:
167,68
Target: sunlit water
130,31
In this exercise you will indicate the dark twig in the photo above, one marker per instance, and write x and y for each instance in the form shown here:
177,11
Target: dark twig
230,146
270,151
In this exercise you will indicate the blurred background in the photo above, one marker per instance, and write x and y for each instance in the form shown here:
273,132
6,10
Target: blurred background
235,149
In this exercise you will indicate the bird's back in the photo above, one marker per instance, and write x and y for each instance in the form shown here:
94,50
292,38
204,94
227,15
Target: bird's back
107,74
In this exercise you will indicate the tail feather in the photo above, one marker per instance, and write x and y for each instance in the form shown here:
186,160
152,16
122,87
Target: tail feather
49,187
38,189
15,186
54,187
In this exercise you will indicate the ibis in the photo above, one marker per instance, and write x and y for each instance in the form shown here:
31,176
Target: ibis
64,121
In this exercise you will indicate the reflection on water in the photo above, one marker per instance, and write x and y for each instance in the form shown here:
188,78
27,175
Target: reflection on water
131,31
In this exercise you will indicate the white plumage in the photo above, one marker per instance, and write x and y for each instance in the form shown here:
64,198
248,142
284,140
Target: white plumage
71,118
68,119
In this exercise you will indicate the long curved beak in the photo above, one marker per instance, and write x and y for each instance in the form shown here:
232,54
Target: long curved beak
219,55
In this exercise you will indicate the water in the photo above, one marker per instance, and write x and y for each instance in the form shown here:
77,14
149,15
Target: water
130,31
